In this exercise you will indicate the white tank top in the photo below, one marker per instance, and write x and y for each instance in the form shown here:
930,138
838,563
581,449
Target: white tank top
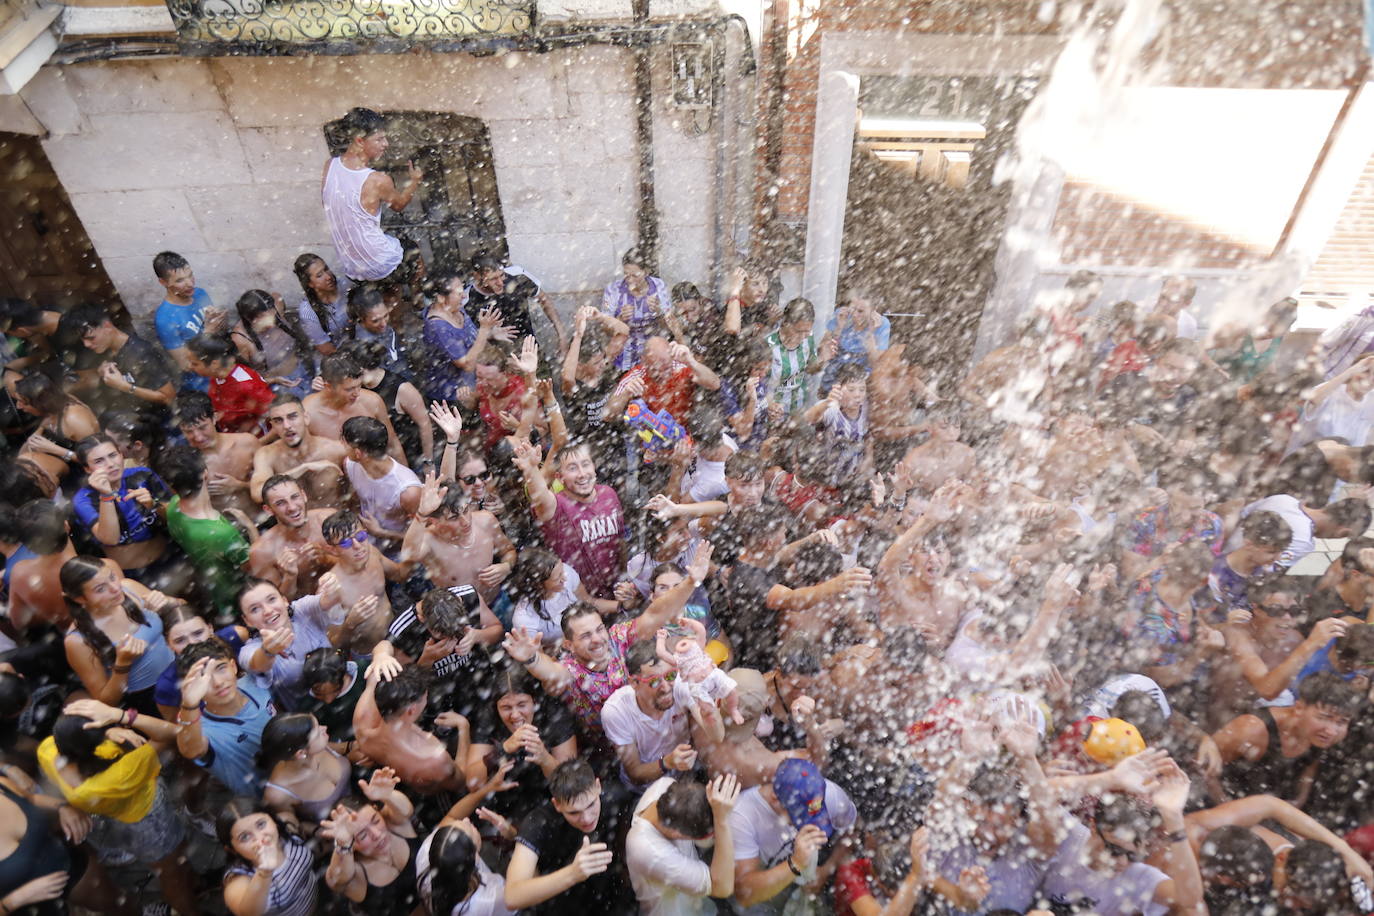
365,252
381,497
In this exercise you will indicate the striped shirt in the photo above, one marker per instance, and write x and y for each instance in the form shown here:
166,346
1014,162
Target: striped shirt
292,891
789,378
409,633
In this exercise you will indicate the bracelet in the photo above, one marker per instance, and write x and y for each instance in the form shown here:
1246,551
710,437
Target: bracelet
109,499
1178,836
448,444
130,715
71,456
122,669
184,706
662,767
796,871
344,850
181,721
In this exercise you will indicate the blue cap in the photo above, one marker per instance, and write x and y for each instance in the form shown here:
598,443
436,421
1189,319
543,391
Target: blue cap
800,788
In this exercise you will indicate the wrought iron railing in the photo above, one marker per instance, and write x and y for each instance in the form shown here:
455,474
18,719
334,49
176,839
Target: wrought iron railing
343,26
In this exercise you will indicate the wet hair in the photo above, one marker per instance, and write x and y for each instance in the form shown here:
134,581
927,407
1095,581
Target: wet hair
1316,874
447,615
1356,646
324,665
742,465
1268,529
14,695
1351,514
798,309
1126,814
362,122
1192,560
361,300
85,317
368,354
283,398
178,613
798,655
135,427
454,876
1236,853
77,743
1329,690
410,685
683,807
487,262
301,268
532,569
340,525
367,435
337,368
572,778
575,610
643,652
9,524
849,372
73,576
993,784
43,392
1256,590
277,480
212,349
19,313
1140,709
283,736
636,257
497,353
256,302
91,443
236,810
192,407
42,526
183,469
684,291
164,262
214,647
514,680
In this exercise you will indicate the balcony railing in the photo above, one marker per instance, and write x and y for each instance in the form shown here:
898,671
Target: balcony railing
216,27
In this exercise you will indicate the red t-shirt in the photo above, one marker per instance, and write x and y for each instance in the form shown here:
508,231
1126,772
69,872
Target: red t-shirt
1125,357
671,392
587,536
851,884
515,387
240,400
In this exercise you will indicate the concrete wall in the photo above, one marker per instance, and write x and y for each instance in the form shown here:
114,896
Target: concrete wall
221,160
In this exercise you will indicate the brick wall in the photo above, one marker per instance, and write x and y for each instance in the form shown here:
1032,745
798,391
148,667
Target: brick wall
1346,264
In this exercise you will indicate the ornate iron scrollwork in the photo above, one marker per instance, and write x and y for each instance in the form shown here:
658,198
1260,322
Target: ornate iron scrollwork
342,26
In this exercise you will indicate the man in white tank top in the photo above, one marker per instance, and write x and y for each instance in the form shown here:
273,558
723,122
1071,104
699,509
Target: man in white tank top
353,197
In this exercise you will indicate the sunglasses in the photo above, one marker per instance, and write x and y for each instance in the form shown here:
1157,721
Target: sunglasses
471,479
655,681
348,542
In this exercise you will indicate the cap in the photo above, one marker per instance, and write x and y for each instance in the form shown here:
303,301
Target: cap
1112,740
801,790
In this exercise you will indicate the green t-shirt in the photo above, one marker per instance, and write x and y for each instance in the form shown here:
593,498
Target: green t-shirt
218,551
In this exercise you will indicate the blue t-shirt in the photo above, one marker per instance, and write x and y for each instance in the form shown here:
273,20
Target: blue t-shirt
23,553
136,524
444,378
176,324
234,740
286,677
167,690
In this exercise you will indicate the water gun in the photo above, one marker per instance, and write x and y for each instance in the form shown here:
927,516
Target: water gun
659,430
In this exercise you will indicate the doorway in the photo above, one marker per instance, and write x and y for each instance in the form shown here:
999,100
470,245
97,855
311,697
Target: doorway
45,254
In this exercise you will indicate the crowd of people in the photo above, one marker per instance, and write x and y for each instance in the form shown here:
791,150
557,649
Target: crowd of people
369,604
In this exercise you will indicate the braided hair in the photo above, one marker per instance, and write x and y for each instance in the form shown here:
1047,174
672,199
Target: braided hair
74,575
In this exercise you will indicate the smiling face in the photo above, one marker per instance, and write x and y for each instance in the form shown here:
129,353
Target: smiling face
590,641
286,502
577,470
474,477
374,319
187,633
515,710
252,834
264,608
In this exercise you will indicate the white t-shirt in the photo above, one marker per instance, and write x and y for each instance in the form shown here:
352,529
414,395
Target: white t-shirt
1338,417
625,724
550,630
707,479
1100,702
380,497
488,900
761,833
1187,326
1068,879
1290,510
668,876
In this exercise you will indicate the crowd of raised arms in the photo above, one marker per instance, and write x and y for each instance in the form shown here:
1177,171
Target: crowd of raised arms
354,599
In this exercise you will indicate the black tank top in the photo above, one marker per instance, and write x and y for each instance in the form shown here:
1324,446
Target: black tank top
400,896
39,852
1273,774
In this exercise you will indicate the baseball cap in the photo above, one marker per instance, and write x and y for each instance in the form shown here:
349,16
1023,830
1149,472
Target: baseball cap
1113,740
801,790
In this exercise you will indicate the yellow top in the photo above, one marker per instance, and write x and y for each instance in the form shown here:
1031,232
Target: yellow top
125,790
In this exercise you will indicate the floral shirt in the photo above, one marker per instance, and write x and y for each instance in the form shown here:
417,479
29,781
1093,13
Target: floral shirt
1148,531
1170,629
590,689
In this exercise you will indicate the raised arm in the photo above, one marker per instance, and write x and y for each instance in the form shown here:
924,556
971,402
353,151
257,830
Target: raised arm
703,376
542,501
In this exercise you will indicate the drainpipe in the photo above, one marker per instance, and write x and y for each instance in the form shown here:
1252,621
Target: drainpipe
644,131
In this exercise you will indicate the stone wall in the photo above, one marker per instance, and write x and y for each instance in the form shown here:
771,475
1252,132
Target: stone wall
221,160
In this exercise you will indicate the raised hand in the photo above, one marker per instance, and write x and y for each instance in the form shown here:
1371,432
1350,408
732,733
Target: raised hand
526,456
100,482
384,667
679,353
128,650
331,590
502,826
100,714
339,826
722,795
1058,591
1017,732
700,566
362,612
269,857
381,785
450,719
661,506
975,884
591,859
1171,791
196,684
585,314
431,494
522,645
275,642
414,171
528,360
1139,773
489,318
447,418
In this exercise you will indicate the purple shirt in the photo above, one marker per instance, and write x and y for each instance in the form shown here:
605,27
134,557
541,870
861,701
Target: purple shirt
587,536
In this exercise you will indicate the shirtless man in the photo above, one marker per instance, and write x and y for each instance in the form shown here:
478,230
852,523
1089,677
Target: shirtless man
315,461
290,554
458,543
910,579
35,589
359,570
385,724
343,397
229,457
939,458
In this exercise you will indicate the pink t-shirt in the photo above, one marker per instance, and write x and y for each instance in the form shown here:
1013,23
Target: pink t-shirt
587,536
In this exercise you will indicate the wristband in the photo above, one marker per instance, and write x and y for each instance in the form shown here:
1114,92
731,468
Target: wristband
448,444
344,850
1178,836
662,767
109,499
122,669
181,721
130,715
796,871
